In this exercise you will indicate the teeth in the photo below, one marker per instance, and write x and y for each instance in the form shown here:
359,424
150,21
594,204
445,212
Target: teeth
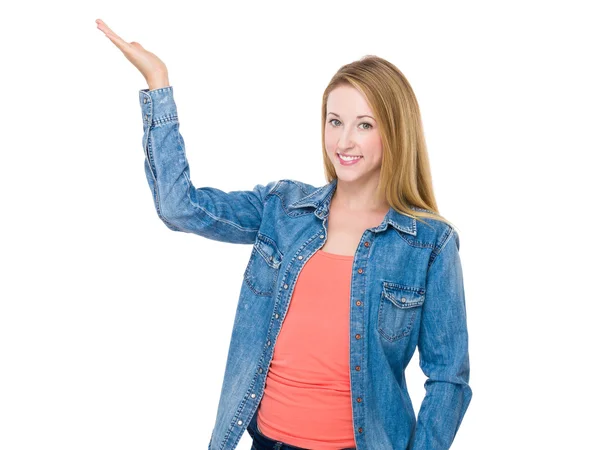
348,158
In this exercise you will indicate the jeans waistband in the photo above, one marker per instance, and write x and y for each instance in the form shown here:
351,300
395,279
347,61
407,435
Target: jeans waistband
262,442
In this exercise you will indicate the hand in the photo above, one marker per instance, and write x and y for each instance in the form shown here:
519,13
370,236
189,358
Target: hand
150,65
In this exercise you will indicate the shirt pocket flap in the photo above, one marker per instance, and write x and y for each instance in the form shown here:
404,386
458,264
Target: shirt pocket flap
403,296
269,251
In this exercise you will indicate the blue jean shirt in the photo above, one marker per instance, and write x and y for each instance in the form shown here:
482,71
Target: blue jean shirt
406,291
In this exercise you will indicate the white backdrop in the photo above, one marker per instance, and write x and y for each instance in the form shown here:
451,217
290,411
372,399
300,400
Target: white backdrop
114,329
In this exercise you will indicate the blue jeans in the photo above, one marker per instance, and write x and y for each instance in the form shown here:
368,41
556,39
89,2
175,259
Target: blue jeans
262,442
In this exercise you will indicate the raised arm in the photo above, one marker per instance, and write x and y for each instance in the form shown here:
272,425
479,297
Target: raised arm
443,351
209,212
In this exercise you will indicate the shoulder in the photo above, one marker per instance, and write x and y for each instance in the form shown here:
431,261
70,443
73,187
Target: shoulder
292,192
287,185
284,187
437,231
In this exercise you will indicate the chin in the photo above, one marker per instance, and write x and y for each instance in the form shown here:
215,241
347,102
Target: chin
348,177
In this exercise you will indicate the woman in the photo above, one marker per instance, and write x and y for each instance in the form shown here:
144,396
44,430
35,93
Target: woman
343,282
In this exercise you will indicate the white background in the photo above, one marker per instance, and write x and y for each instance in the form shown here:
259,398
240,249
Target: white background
114,329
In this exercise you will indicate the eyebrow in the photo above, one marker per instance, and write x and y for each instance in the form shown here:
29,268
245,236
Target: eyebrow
358,117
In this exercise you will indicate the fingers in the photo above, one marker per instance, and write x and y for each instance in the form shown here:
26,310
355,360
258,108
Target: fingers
116,39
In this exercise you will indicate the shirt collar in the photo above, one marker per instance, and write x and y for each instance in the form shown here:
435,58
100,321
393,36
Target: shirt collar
321,198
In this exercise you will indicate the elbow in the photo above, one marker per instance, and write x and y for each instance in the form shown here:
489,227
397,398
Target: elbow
168,219
170,225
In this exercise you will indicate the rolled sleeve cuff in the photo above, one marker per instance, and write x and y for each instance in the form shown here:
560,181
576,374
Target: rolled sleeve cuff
157,105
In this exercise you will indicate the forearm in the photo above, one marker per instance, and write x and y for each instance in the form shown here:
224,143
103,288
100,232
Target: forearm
443,350
165,159
441,414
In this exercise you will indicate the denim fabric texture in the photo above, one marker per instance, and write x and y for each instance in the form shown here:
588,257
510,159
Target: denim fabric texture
406,292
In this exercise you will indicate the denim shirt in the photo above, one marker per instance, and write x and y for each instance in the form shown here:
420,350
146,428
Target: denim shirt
406,291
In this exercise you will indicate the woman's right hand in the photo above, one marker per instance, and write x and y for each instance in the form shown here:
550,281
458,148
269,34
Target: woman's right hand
150,65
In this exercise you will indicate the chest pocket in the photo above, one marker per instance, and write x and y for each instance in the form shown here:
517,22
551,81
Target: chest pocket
398,309
263,268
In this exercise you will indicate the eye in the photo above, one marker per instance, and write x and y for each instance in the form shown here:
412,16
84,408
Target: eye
363,123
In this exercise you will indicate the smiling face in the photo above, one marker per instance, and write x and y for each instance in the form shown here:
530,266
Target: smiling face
351,129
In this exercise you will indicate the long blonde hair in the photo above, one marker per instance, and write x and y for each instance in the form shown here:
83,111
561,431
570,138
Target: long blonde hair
405,178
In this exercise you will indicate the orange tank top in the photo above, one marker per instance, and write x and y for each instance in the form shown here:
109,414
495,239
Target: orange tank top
307,401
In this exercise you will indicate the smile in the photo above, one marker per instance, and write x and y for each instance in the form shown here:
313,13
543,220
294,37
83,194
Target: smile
348,160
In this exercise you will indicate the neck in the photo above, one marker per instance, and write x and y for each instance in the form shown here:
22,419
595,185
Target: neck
360,197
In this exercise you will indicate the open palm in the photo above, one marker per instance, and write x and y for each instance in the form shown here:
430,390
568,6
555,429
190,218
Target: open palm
150,65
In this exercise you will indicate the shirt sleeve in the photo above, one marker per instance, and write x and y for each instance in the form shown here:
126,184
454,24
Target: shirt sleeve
233,216
443,350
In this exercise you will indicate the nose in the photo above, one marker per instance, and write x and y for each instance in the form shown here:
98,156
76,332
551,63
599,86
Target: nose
345,142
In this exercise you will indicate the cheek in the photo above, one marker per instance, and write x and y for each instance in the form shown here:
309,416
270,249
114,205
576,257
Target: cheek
375,145
330,142
373,141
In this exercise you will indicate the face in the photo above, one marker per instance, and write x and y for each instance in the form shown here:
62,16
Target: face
350,129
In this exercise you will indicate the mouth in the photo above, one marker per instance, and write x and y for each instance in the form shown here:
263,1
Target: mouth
348,160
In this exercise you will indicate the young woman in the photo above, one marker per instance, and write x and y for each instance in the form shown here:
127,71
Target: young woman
344,281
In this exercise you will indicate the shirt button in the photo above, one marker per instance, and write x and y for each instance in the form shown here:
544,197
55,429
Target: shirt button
277,316
268,342
322,236
357,368
367,244
358,303
403,300
360,270
145,100
300,257
359,399
240,422
253,395
285,286
260,370
270,258
360,430
357,336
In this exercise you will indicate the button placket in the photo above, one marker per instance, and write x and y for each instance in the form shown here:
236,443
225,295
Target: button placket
358,336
